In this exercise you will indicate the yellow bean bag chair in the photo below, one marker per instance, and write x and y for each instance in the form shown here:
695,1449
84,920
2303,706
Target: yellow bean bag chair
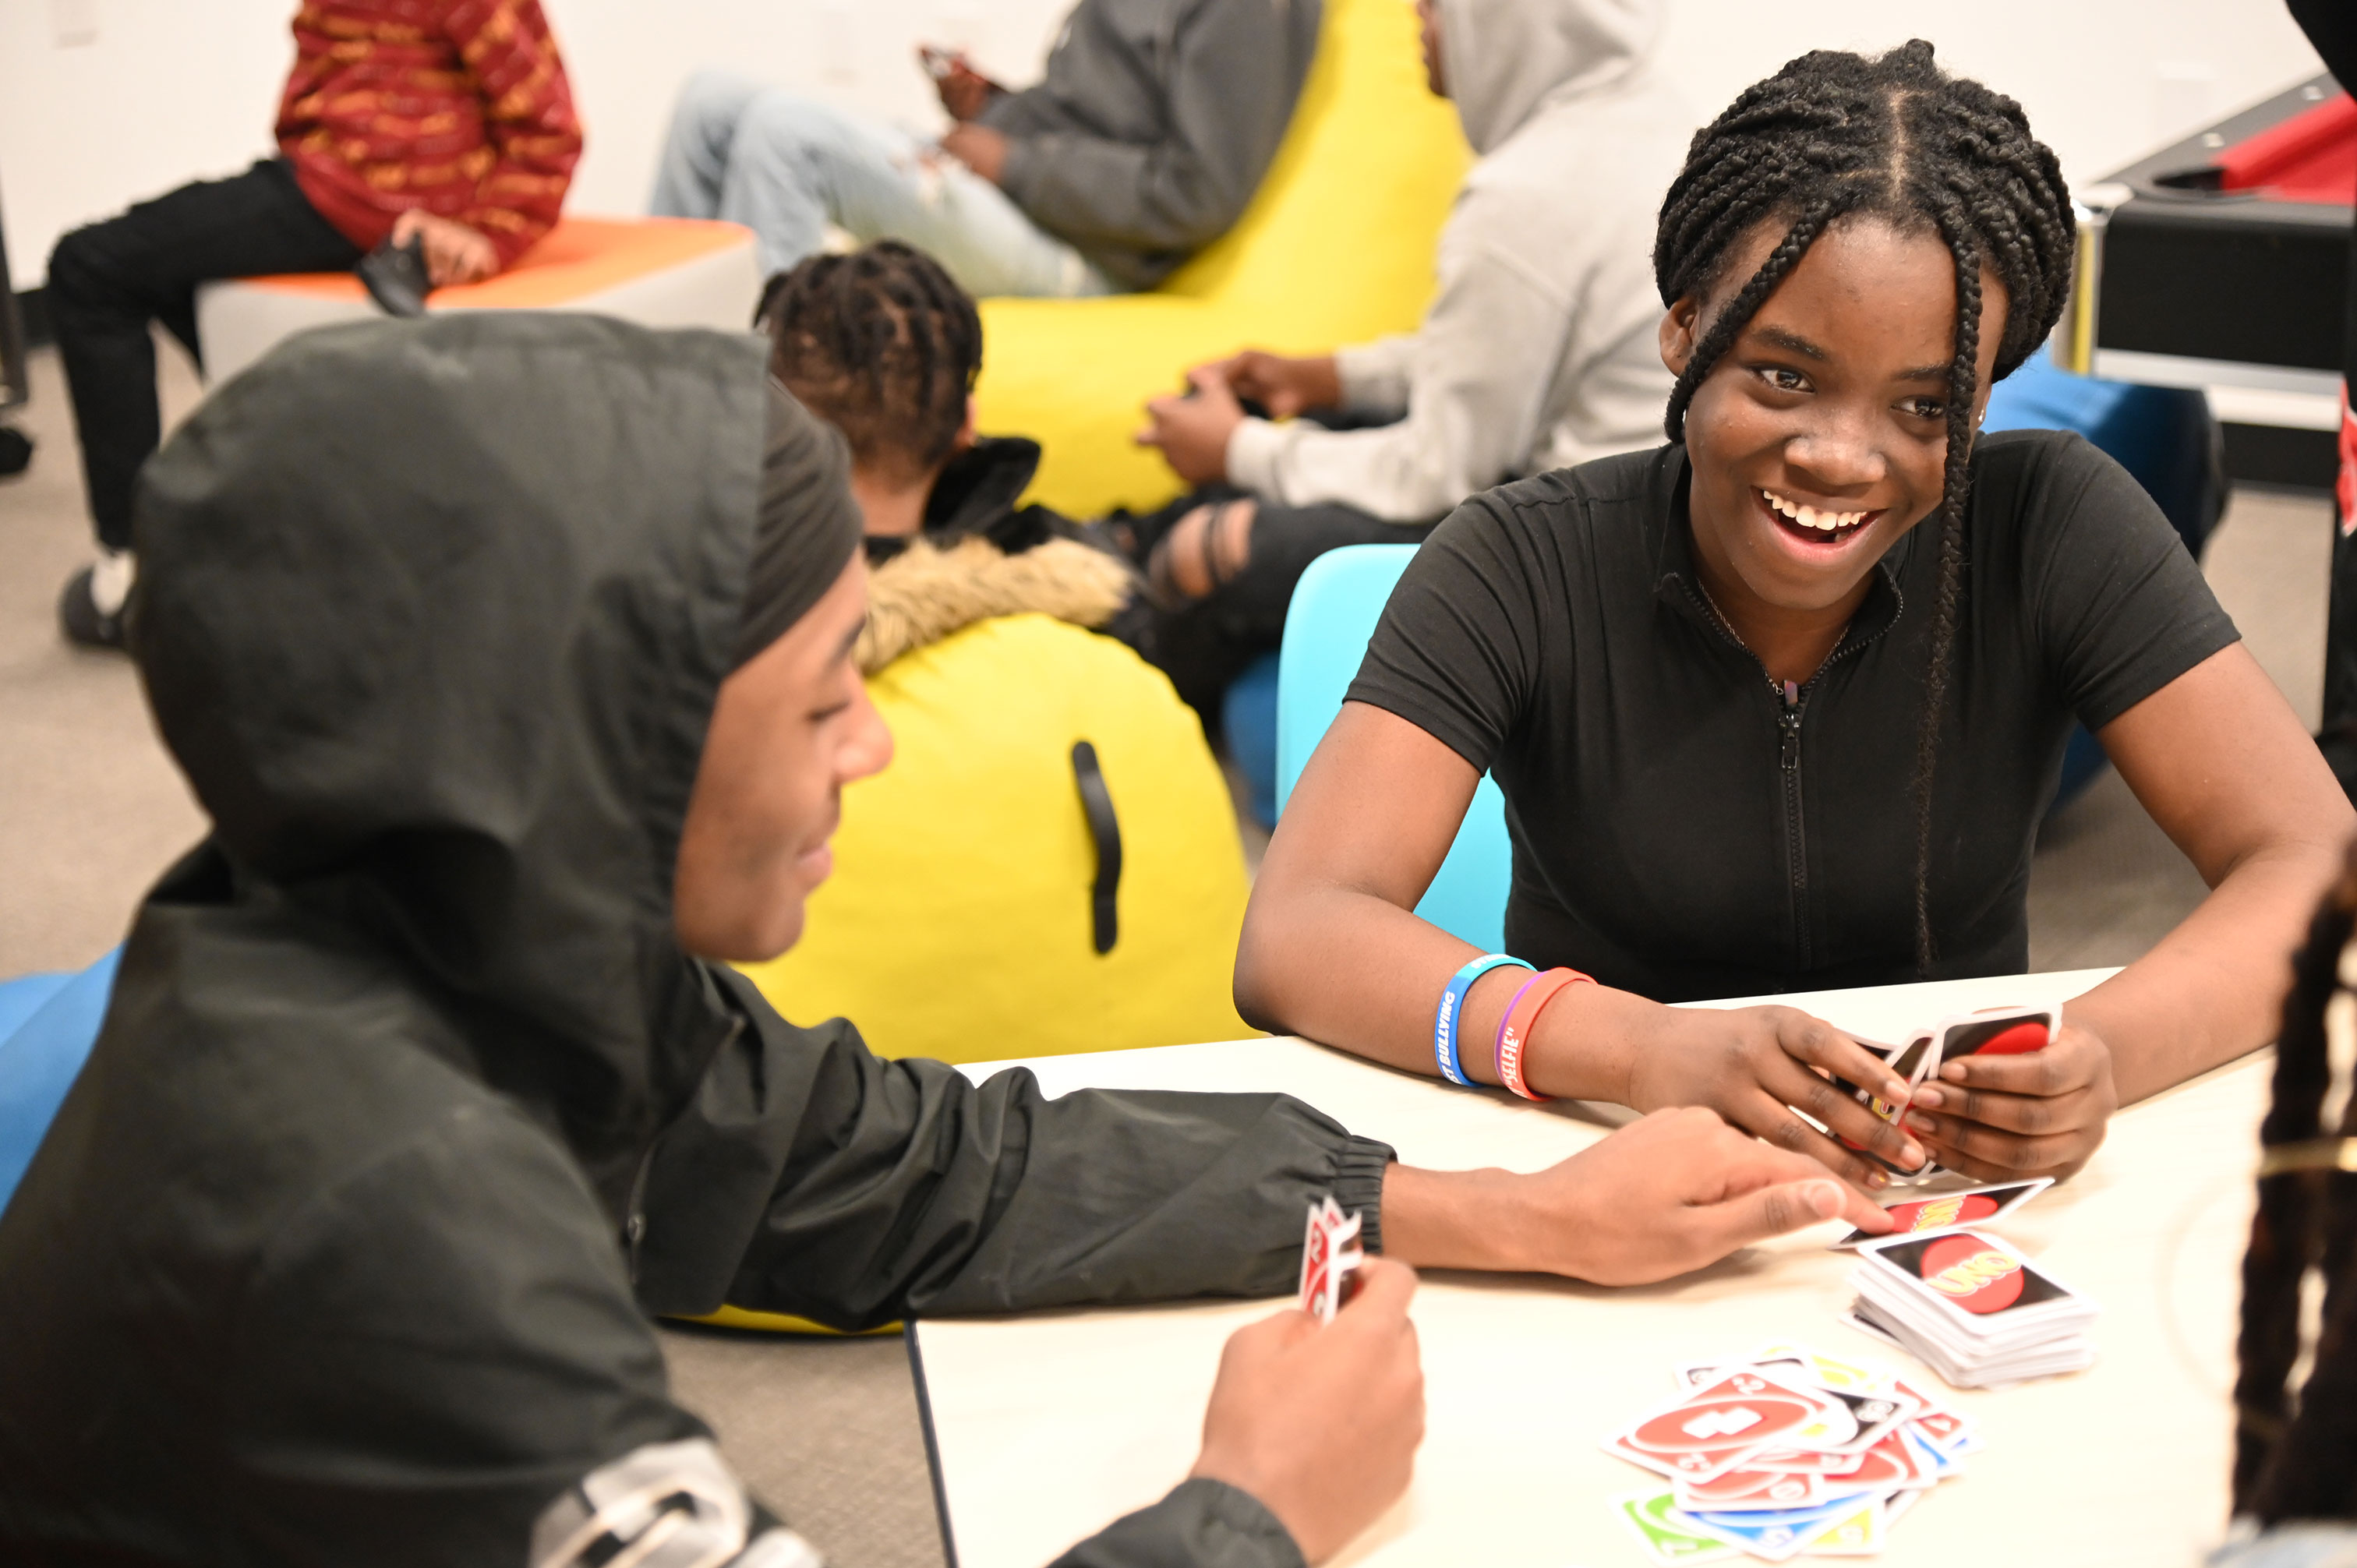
1335,248
961,922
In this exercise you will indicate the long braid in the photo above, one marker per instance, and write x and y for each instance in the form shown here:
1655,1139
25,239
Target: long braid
1835,134
1964,374
2295,1451
882,344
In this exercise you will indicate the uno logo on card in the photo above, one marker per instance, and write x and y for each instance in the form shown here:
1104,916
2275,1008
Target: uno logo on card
1940,1213
1972,1273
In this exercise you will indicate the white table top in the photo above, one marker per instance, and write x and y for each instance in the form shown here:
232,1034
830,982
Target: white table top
1048,1426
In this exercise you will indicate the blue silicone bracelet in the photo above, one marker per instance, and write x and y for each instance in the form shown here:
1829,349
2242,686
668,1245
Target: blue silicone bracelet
1444,1021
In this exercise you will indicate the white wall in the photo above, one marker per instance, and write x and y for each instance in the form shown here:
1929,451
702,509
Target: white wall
170,90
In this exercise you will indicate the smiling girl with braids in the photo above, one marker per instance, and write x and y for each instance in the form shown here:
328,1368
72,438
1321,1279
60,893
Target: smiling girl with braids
1777,707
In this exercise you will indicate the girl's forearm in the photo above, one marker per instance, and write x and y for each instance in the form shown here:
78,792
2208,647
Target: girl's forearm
2213,988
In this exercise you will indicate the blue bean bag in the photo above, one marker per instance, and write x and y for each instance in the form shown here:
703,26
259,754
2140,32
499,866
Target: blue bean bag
48,1025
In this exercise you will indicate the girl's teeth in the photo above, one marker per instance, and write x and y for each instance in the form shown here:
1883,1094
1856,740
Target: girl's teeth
1810,517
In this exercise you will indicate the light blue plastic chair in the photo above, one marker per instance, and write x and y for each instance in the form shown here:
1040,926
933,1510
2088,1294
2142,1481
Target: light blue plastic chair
48,1025
1333,614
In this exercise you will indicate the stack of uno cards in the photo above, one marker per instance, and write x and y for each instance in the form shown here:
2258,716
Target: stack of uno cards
1328,1253
1785,1453
1992,1031
1973,1307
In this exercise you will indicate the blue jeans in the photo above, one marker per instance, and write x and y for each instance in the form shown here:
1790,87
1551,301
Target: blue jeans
786,167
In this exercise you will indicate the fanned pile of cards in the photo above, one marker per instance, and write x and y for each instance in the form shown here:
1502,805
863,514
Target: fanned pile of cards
1784,1453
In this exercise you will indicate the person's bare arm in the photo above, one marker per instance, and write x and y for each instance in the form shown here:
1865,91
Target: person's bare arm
1332,949
2226,770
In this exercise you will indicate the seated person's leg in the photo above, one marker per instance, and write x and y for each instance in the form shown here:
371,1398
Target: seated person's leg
696,150
798,165
107,282
1222,577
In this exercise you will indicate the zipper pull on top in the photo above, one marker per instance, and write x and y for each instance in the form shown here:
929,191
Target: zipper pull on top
1791,694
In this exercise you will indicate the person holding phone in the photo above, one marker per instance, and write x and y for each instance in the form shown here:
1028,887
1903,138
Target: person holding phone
1778,706
1140,144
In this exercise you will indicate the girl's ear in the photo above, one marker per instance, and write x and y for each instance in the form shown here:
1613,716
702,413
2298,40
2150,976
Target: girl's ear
1678,334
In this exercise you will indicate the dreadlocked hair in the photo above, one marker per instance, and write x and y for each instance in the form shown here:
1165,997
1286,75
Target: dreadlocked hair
2296,1449
882,345
1835,135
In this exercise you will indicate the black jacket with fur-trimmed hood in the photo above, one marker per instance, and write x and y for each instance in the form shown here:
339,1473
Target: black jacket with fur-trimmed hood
408,1107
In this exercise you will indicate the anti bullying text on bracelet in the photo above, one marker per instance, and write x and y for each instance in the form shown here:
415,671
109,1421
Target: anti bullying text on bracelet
1452,1002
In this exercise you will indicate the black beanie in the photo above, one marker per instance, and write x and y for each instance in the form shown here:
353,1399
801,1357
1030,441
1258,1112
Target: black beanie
808,529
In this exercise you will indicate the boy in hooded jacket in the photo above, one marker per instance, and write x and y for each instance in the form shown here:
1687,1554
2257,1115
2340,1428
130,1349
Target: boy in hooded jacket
510,656
1538,351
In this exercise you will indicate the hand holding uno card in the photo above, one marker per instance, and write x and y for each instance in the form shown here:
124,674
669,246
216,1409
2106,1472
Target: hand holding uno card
1991,1031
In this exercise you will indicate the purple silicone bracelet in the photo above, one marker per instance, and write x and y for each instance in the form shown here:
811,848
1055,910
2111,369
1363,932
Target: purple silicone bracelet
1499,1043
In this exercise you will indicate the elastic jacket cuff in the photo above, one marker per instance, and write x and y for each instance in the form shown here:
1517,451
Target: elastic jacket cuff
1359,1186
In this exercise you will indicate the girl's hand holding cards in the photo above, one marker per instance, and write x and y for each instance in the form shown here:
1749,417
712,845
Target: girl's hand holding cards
2038,1112
1757,1066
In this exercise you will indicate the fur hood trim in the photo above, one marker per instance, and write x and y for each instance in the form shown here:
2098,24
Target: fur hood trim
925,593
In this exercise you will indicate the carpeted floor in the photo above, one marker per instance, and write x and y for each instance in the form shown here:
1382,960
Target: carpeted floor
92,810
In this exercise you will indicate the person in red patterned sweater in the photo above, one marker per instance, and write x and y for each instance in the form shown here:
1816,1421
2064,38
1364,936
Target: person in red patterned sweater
446,121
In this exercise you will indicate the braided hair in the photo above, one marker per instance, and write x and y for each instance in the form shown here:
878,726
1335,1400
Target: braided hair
882,345
1835,135
2296,1449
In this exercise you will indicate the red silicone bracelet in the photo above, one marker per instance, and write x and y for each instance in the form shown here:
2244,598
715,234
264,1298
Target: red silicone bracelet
1521,1018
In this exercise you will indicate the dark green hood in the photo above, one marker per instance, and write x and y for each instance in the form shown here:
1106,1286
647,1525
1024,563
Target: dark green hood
433,615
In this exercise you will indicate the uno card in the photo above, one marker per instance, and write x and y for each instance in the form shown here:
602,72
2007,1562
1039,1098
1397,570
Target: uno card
1890,1463
1329,1250
1667,1545
1773,1537
1858,1535
1704,1434
1910,1062
1972,1280
1949,1210
1829,1372
1996,1032
1872,1411
1743,1489
1694,1374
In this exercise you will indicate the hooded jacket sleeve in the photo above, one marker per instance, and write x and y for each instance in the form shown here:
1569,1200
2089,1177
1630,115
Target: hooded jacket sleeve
810,1177
1472,380
1232,70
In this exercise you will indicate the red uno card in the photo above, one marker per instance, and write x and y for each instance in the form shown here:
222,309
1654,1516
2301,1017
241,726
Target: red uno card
1329,1250
1707,1432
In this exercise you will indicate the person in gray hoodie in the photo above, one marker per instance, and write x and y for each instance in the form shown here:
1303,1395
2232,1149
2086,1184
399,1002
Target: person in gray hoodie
1538,351
1142,143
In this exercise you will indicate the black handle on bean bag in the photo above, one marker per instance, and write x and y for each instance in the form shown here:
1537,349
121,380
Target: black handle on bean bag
1097,804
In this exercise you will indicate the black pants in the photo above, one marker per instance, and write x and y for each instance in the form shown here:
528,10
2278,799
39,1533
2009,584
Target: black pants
108,281
1203,646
